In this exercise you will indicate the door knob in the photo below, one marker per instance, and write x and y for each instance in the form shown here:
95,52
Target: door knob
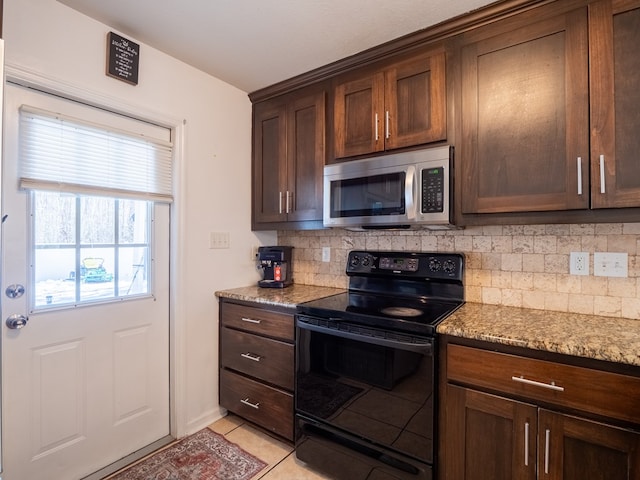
15,321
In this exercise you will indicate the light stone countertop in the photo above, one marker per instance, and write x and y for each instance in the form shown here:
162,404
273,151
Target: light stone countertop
282,297
590,336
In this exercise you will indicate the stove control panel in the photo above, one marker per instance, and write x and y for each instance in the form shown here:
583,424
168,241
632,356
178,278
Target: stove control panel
433,265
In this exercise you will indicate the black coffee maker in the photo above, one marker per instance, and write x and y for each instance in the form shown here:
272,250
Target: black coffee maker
276,265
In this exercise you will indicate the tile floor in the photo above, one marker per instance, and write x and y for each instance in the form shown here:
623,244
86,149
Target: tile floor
279,456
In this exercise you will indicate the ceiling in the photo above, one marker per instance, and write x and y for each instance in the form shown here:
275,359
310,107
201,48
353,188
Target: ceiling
252,44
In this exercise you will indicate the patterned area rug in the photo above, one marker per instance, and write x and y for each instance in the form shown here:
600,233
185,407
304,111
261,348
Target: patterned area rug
205,455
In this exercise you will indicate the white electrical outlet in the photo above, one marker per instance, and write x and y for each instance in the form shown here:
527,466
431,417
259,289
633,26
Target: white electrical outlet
326,254
579,263
610,264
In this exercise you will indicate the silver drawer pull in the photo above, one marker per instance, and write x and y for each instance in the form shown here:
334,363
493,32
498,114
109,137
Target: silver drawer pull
250,320
251,356
249,404
550,386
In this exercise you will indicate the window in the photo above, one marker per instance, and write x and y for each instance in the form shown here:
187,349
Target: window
92,191
89,248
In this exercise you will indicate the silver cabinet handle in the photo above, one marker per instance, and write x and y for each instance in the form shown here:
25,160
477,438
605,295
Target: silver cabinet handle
386,124
602,187
547,434
251,356
526,444
288,202
579,175
279,202
249,404
16,321
250,320
550,386
376,127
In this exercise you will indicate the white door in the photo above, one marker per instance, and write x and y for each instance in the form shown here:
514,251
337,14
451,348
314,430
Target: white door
86,381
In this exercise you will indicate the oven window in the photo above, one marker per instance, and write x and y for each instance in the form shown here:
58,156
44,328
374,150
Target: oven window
368,196
375,392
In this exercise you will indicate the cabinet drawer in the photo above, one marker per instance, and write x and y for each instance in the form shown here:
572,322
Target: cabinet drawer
603,393
264,358
257,320
266,406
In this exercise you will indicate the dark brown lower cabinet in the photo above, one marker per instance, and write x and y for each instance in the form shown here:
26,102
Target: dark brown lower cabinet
540,432
495,438
485,437
256,365
573,448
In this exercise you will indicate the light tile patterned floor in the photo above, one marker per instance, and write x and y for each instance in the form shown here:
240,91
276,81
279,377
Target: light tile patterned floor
279,456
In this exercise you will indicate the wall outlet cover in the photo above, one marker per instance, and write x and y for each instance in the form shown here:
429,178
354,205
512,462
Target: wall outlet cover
610,264
579,263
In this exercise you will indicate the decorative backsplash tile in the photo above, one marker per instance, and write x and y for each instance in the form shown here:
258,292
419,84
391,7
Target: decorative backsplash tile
515,265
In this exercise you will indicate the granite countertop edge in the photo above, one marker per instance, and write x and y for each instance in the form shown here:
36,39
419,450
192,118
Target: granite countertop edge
288,297
610,339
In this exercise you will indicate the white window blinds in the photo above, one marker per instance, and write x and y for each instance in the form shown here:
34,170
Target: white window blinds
62,153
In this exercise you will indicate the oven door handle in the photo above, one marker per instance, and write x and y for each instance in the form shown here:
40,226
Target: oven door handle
425,348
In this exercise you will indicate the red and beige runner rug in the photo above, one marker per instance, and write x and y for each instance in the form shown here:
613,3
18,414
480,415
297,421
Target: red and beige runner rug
205,455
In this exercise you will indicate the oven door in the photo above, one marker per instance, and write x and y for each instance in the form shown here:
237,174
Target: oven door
364,400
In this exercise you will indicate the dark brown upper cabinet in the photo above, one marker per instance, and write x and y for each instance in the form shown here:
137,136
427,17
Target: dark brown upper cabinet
614,36
549,108
525,117
401,105
288,159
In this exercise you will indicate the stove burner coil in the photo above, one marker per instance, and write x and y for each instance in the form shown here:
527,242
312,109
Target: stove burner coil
402,311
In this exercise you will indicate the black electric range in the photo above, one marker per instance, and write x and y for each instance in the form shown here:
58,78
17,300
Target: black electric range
366,395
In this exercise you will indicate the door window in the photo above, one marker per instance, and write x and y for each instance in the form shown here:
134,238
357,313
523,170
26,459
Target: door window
88,249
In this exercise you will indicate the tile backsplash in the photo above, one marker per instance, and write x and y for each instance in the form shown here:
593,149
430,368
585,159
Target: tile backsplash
515,265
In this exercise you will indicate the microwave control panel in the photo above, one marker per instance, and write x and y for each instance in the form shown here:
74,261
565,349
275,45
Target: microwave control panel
433,190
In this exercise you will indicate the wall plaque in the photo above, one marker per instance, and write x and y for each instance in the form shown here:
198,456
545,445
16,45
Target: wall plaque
123,58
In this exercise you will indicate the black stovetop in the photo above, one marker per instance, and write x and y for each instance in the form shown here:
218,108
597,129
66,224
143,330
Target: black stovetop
397,291
411,315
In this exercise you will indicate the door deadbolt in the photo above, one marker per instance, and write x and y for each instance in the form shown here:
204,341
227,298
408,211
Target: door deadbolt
16,321
14,291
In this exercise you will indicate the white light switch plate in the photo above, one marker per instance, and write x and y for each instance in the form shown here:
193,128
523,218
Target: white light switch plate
610,264
219,240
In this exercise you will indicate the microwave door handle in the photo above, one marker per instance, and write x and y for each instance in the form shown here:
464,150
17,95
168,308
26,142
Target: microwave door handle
410,192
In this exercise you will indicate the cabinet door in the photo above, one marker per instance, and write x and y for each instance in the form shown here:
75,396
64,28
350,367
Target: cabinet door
305,157
269,161
575,449
615,102
488,437
358,116
525,130
415,100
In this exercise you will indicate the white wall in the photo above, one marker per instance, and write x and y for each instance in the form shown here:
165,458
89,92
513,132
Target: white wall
54,41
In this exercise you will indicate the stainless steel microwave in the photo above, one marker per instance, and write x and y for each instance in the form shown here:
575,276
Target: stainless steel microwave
402,190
